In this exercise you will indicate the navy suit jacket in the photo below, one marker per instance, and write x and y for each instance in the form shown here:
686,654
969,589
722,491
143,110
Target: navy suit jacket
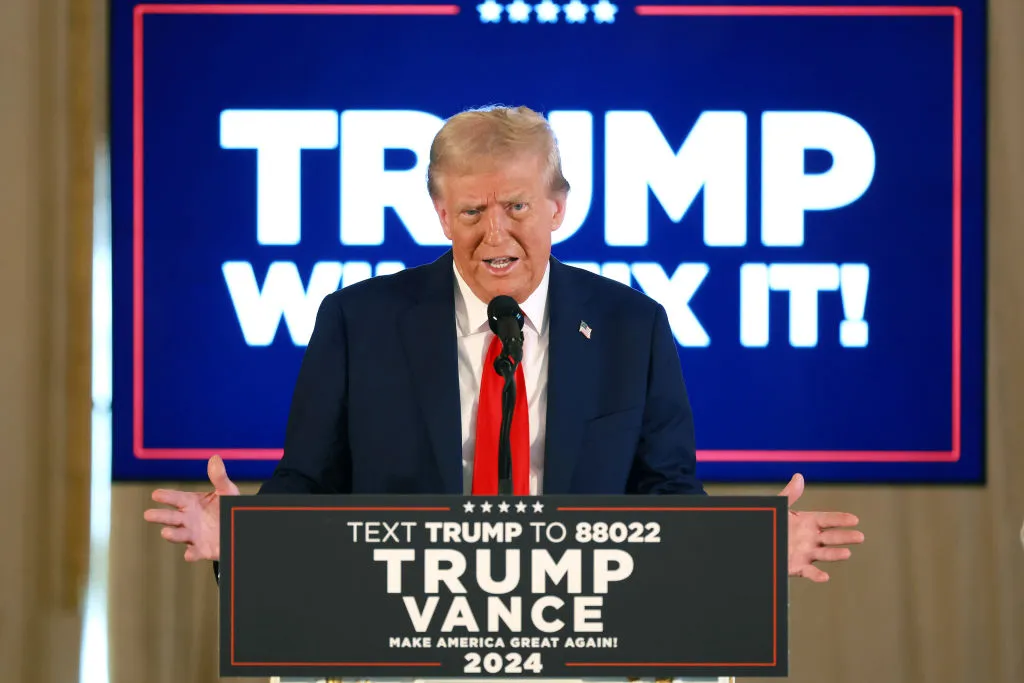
376,407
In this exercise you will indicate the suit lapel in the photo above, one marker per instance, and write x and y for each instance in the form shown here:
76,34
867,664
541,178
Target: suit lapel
431,348
572,367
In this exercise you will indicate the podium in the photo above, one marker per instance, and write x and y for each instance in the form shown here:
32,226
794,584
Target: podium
552,589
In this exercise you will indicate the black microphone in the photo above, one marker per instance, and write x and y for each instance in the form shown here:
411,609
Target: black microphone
506,322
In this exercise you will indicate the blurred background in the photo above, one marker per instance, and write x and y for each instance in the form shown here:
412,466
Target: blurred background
89,592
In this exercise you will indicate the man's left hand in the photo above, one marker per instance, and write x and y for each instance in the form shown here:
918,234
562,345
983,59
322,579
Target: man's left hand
817,536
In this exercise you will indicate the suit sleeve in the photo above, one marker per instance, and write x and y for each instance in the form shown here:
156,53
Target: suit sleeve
666,456
316,456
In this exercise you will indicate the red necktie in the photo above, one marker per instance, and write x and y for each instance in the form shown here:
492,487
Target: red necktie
488,429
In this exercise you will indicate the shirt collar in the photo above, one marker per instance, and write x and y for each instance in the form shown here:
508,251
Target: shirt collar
471,313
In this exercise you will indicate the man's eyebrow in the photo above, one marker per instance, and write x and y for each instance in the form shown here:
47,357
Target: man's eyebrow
517,198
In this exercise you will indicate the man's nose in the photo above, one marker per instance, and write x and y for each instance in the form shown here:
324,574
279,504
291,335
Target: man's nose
497,227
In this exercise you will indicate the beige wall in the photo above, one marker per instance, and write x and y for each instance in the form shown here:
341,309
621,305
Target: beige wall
936,594
47,99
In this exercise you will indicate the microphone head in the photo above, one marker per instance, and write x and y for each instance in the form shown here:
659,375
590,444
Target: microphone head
503,308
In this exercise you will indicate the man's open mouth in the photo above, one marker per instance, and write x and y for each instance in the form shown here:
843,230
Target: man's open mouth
501,261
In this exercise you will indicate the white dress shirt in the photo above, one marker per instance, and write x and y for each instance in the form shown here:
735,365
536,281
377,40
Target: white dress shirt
474,337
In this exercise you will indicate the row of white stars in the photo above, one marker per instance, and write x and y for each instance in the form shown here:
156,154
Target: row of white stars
547,11
503,506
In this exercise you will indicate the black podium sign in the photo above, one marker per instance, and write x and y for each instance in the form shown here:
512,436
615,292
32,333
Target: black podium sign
542,587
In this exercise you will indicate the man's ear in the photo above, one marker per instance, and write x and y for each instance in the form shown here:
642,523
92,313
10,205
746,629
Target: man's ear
559,215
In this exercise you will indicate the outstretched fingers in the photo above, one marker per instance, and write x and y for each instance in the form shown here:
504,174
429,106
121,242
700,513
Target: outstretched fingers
814,574
177,534
841,537
178,499
831,554
828,520
164,516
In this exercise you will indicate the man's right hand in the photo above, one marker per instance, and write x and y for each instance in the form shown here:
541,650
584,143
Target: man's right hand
195,519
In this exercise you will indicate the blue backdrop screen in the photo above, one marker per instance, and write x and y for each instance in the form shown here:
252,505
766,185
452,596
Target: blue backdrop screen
800,186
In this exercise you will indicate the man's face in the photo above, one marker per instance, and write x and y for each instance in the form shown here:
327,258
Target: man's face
500,219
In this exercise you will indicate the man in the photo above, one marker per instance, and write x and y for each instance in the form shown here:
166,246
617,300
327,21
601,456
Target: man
397,378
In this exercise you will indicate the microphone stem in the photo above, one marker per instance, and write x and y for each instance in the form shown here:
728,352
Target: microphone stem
508,406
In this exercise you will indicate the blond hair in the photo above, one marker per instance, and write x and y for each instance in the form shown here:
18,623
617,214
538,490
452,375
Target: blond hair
493,132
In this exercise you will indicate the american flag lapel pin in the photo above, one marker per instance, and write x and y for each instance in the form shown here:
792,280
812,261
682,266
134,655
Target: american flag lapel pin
585,329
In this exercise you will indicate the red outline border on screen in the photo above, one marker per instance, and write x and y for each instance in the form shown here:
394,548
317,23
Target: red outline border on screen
643,10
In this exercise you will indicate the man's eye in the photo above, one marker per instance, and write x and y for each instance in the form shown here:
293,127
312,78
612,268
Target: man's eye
471,212
519,206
